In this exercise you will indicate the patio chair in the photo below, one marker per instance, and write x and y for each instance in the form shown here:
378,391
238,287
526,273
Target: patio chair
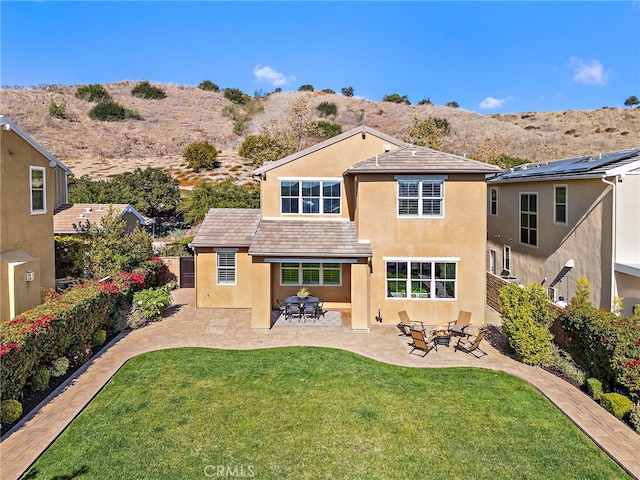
405,320
320,311
420,342
309,309
471,344
293,310
459,325
281,306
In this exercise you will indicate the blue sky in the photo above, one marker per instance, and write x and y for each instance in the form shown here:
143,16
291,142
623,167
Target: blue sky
488,56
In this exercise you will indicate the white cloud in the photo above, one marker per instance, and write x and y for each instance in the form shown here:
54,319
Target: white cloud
491,102
588,73
268,74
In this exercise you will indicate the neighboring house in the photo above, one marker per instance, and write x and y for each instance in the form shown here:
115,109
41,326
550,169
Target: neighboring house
365,222
553,222
32,184
70,219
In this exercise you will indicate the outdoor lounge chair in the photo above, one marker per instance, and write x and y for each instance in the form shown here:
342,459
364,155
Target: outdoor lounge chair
463,321
405,320
471,344
420,342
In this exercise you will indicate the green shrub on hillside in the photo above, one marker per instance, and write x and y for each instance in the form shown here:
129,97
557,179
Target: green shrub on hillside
260,148
110,111
92,93
58,111
147,91
347,91
327,108
236,96
201,155
209,86
396,98
306,88
324,129
328,90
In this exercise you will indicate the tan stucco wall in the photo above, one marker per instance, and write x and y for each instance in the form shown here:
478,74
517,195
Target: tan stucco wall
460,234
329,162
209,294
586,239
629,291
19,229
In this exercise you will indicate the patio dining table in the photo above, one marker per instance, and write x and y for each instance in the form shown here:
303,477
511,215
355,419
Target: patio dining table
306,306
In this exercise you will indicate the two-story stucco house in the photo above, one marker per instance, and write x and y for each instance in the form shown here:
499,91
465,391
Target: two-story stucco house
553,222
32,184
366,222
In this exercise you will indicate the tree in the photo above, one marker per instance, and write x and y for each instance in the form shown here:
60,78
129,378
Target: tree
201,155
261,148
151,191
347,91
452,105
112,250
582,293
425,101
427,132
395,98
631,101
227,194
290,133
306,88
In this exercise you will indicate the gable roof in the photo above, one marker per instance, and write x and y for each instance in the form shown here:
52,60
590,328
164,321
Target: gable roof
302,238
227,227
53,161
582,167
363,130
422,160
68,217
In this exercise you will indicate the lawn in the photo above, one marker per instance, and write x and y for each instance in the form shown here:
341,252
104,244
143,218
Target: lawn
316,413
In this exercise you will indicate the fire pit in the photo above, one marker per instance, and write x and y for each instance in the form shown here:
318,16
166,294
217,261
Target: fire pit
442,336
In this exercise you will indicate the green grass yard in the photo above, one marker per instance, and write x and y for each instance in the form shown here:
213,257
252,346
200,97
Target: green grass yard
316,413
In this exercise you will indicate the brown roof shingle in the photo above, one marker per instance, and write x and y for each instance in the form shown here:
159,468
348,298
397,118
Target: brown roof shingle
304,238
68,217
412,159
227,227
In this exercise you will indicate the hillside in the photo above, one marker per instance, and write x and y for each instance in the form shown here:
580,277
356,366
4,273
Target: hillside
99,149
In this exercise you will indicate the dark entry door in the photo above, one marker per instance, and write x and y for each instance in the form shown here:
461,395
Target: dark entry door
187,272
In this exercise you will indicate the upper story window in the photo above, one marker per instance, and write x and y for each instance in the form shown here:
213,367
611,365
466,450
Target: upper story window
226,266
310,196
421,278
560,204
38,192
493,201
421,197
529,219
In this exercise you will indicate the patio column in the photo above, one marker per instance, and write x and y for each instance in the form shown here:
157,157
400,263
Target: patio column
360,296
261,304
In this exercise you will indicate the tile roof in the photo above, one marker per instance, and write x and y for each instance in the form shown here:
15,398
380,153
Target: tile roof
305,238
230,227
420,160
67,217
586,167
319,146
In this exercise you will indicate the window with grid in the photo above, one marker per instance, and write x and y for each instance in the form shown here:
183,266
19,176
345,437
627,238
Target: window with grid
38,194
310,197
529,219
421,279
493,201
226,264
421,197
312,273
560,204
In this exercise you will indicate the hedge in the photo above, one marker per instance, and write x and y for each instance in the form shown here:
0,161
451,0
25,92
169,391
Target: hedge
60,327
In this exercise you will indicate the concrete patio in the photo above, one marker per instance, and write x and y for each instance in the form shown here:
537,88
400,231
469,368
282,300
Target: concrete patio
230,329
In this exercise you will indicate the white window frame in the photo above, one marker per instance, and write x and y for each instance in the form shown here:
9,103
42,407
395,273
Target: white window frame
435,284
492,261
38,211
220,268
493,203
420,195
506,258
530,214
565,204
321,197
302,267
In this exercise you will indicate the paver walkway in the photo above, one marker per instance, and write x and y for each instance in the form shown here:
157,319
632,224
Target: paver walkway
230,329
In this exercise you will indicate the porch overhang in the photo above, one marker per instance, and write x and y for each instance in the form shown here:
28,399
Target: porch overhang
309,259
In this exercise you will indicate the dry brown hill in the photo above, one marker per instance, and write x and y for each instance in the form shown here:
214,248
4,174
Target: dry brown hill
99,149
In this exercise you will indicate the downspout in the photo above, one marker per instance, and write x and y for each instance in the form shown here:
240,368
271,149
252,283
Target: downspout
614,204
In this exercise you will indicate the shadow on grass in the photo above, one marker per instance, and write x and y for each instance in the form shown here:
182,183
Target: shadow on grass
76,473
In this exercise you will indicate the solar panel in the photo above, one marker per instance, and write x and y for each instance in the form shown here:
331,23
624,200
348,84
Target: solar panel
573,165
